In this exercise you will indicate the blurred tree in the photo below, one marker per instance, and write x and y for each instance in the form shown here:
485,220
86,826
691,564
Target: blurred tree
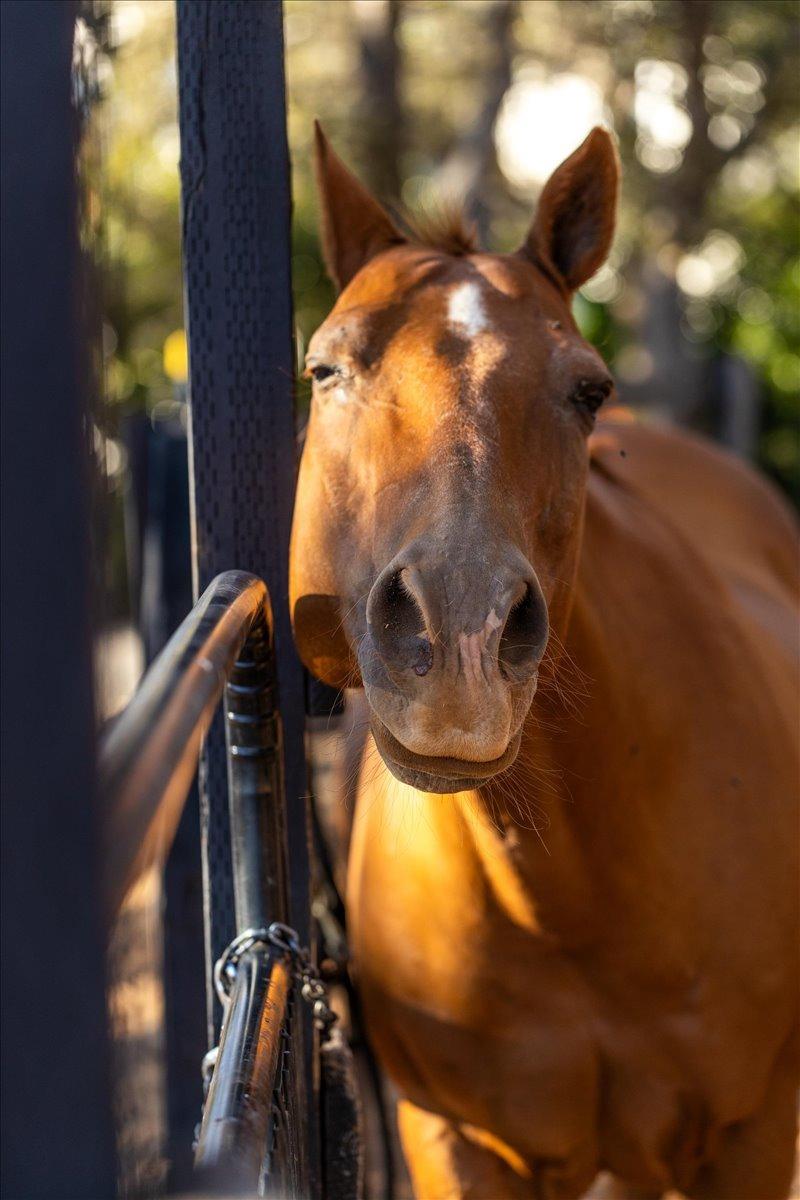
697,311
141,201
379,109
469,173
702,94
131,227
430,97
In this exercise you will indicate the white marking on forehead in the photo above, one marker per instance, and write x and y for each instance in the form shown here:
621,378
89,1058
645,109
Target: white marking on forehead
475,422
465,309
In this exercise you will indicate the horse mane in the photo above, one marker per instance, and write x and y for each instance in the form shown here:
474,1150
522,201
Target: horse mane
447,229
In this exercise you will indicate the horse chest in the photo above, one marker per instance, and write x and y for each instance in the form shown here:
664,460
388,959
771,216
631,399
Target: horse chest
479,1014
514,1038
478,1023
511,1037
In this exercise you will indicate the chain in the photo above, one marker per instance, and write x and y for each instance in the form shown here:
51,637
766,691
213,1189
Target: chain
312,989
285,939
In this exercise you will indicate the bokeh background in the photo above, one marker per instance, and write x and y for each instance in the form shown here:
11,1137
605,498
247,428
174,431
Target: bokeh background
475,102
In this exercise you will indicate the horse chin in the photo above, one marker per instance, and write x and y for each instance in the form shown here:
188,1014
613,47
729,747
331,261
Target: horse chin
434,774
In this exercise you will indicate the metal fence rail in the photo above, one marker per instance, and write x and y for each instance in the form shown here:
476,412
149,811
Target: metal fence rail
148,757
147,762
235,1137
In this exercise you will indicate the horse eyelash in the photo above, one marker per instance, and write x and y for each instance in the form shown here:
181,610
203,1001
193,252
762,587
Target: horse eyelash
320,372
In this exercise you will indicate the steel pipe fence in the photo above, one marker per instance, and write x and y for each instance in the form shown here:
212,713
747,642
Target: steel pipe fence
148,757
223,650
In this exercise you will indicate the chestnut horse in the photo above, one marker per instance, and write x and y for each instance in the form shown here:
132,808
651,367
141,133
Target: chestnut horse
572,886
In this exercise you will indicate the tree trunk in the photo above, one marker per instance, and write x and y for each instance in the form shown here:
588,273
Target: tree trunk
380,109
467,173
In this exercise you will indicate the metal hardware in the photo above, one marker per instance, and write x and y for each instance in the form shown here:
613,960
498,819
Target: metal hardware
283,938
207,1067
226,964
245,1091
236,1129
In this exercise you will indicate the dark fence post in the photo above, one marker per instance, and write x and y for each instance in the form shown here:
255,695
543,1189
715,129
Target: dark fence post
57,1130
162,596
236,216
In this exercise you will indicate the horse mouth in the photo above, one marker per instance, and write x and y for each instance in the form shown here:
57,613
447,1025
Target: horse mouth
430,773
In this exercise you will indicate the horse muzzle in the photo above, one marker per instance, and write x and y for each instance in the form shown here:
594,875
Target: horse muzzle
435,773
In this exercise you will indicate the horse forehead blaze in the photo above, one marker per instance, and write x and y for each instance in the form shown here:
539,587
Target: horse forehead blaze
466,311
470,313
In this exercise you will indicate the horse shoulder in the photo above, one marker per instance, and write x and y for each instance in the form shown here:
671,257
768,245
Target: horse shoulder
732,518
730,513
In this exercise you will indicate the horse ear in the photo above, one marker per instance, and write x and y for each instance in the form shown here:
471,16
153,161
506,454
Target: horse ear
354,226
574,224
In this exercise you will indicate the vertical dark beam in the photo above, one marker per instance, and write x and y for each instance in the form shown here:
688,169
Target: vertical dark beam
163,600
56,1131
183,975
236,216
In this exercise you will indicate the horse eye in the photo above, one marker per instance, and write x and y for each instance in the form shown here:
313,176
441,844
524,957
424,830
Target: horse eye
320,372
589,394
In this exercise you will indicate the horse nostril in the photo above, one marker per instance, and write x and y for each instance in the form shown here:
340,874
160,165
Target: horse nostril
424,657
524,636
397,624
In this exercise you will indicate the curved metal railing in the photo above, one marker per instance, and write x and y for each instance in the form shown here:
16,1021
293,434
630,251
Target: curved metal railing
147,761
148,756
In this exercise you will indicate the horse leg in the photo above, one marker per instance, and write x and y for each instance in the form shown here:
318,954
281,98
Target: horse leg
447,1163
755,1159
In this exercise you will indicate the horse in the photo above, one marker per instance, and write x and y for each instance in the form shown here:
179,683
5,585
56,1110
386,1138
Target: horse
572,882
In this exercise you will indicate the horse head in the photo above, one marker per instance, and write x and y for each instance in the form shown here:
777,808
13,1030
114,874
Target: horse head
439,506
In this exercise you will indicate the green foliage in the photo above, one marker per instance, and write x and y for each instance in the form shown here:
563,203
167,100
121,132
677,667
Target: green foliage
761,321
140,198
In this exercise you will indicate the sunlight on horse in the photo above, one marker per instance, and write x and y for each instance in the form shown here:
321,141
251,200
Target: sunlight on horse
572,879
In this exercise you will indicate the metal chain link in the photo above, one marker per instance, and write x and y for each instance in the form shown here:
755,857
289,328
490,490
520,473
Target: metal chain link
285,939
